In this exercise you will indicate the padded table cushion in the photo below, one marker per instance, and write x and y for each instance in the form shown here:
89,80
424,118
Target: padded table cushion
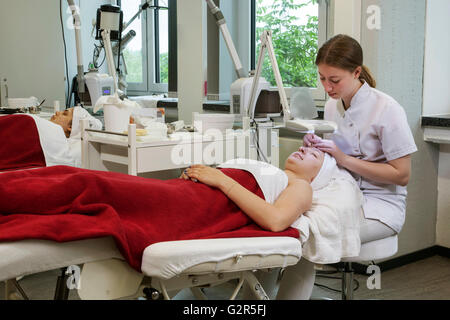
171,258
33,256
376,250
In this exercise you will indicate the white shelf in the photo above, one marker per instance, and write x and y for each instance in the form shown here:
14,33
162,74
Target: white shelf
437,135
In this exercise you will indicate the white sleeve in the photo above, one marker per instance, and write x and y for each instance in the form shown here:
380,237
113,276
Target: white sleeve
329,111
395,134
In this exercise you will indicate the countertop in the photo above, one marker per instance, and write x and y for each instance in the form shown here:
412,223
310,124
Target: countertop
442,120
436,128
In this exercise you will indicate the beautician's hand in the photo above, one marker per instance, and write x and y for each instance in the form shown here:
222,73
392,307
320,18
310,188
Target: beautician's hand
330,147
207,175
310,139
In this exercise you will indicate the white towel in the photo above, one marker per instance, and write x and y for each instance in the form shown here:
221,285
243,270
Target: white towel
271,179
55,146
330,229
326,173
80,113
115,100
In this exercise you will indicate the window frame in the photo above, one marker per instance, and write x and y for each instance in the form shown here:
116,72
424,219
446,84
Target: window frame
150,59
318,94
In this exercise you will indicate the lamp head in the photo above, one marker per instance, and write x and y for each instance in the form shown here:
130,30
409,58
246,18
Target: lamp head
109,17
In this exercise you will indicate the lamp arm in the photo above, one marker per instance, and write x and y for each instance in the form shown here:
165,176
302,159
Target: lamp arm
220,21
145,6
266,44
142,8
250,109
109,56
276,71
77,25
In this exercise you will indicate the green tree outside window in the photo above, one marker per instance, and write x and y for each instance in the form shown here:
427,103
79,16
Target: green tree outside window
295,45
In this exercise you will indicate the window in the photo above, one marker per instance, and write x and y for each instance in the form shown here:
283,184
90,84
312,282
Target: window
298,29
162,44
146,56
134,53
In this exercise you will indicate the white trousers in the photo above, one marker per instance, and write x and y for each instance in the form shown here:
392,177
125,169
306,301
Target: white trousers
297,281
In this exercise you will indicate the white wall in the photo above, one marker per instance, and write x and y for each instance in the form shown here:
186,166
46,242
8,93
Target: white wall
31,55
436,100
191,17
398,49
236,13
436,86
443,215
346,18
32,52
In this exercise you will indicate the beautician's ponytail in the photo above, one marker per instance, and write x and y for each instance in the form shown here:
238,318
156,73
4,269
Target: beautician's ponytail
366,75
344,52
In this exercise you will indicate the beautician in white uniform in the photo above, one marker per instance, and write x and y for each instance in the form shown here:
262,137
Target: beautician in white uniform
373,140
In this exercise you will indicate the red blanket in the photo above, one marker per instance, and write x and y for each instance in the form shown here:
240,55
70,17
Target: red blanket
63,203
20,147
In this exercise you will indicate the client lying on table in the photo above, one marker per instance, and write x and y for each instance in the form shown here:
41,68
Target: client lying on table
63,203
69,120
291,192
30,141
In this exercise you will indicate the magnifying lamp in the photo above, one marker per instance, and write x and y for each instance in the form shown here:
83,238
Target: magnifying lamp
109,28
291,123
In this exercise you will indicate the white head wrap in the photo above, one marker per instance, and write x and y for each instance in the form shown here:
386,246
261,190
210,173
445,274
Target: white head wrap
81,113
326,172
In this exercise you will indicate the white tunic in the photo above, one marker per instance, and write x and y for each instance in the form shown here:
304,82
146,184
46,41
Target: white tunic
374,128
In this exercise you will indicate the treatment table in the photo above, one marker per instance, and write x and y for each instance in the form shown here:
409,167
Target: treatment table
167,267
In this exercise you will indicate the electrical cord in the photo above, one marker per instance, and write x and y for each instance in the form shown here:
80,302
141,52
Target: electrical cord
356,282
98,50
256,139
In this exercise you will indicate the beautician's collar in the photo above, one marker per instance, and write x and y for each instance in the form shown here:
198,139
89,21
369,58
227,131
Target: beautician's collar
360,95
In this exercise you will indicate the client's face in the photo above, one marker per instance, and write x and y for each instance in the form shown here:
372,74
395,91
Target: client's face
305,162
64,119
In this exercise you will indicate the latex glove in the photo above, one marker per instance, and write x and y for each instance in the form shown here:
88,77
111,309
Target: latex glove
330,147
310,139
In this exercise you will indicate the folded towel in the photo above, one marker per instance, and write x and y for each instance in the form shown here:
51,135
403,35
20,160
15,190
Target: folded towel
326,173
329,231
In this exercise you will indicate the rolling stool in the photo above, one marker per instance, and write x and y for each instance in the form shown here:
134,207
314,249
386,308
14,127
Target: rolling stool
370,251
